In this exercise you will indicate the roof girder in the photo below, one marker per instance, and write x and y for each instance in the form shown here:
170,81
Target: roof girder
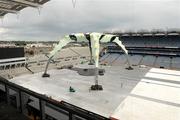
27,3
8,10
14,6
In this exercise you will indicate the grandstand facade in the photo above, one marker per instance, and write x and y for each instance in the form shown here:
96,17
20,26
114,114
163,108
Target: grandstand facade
155,49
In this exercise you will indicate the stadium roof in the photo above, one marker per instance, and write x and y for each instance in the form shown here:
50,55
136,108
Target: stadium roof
153,32
14,6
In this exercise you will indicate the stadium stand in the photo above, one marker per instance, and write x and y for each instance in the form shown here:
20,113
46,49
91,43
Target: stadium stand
156,49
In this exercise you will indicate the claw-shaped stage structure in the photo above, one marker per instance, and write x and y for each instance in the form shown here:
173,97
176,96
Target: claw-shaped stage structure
94,40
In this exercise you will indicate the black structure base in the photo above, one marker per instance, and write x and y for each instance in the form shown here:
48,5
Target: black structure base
90,63
96,87
129,68
101,72
45,75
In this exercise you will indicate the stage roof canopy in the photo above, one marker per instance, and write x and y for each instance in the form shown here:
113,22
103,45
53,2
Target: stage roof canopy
14,6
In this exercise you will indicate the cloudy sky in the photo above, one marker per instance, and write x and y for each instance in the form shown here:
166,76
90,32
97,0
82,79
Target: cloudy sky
58,17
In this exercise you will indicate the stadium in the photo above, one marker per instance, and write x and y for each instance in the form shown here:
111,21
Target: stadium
130,75
155,48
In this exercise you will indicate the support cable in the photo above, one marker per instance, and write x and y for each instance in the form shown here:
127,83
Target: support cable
74,3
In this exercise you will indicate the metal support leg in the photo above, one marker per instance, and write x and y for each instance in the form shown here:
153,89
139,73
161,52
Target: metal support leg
91,62
26,66
45,72
129,65
96,76
96,86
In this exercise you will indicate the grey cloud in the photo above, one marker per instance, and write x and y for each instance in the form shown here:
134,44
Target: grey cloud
58,17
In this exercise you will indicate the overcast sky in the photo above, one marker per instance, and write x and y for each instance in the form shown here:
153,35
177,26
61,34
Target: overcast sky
58,17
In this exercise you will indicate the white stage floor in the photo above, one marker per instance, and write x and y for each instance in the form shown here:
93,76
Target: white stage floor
139,94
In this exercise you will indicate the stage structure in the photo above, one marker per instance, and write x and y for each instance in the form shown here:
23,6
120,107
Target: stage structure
94,40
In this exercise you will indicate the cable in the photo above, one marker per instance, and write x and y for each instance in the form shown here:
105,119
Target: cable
74,3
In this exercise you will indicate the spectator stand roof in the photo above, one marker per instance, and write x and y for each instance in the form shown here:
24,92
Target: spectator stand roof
14,6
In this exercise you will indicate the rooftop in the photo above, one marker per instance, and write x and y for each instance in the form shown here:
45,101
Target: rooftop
14,6
127,94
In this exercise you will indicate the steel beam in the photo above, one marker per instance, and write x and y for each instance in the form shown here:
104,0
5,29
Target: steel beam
8,10
7,2
27,3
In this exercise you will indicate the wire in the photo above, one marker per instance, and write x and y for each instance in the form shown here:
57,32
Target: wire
74,3
39,10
